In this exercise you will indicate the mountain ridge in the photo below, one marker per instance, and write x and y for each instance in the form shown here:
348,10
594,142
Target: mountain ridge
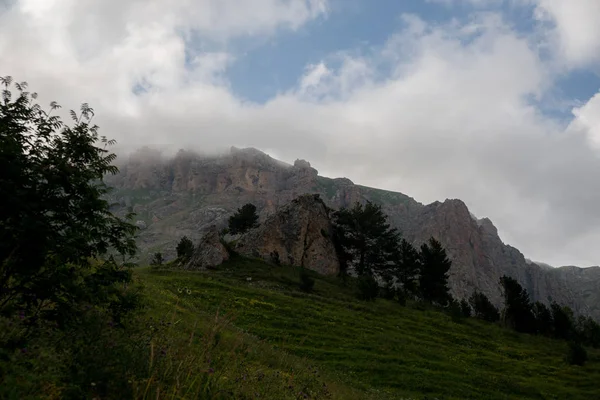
187,193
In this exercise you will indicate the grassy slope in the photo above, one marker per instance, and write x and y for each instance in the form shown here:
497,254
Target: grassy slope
374,350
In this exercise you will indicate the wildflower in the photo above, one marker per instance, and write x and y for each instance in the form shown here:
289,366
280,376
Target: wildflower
179,290
211,371
189,291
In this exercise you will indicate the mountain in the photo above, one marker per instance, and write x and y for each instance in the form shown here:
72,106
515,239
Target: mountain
188,193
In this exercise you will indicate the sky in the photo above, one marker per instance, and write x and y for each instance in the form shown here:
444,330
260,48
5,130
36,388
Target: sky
495,102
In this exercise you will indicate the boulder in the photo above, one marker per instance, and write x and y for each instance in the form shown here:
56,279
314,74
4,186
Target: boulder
298,234
209,253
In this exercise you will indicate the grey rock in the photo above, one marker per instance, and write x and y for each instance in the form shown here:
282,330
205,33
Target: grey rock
299,234
209,253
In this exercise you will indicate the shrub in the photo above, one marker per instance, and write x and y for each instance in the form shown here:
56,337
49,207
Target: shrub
243,220
306,282
577,355
185,249
157,260
368,288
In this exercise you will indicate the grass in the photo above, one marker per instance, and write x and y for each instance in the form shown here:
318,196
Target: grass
373,350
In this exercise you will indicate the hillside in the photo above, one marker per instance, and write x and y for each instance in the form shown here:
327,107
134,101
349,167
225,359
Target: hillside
377,350
186,194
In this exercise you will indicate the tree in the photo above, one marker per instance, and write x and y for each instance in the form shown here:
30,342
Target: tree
588,331
366,239
368,288
577,355
306,282
243,220
543,319
433,279
563,321
406,268
185,249
157,260
59,243
517,306
483,307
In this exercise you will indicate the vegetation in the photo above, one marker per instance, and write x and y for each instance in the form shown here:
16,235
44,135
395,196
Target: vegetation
374,350
244,219
483,307
64,274
157,260
185,249
366,239
433,278
74,323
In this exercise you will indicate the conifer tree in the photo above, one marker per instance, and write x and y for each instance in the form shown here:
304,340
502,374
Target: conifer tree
433,279
366,239
244,219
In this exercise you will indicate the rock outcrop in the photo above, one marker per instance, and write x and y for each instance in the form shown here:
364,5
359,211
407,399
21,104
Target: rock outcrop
297,234
209,253
187,194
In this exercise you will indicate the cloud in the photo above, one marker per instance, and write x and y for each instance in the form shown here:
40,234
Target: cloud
440,111
574,28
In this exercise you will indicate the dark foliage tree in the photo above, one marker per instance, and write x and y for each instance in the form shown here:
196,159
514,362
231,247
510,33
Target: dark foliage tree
368,288
185,249
465,308
562,317
157,260
543,319
588,331
244,219
54,219
483,307
577,355
66,292
366,239
517,306
433,278
306,282
406,268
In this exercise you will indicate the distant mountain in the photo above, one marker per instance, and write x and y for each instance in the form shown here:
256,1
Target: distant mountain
186,194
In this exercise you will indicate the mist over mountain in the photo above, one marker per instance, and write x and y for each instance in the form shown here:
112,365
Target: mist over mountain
187,193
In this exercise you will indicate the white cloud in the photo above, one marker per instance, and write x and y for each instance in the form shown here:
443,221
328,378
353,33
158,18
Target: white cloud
452,118
576,29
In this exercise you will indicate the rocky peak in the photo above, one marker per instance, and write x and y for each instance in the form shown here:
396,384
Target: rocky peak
299,233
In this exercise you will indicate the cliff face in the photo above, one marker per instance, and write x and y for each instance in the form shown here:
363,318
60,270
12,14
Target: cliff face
187,194
299,234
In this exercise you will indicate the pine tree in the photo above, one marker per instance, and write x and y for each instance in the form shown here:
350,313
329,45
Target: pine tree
483,307
406,268
366,239
244,219
563,321
433,279
185,249
518,312
543,319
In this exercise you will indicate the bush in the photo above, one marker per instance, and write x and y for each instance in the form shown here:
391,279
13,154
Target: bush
185,249
157,260
368,288
243,220
306,282
577,355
